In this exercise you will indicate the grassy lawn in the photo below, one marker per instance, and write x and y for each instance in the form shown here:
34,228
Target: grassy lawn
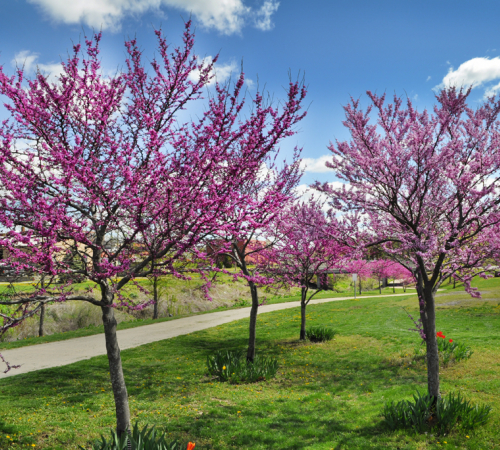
326,396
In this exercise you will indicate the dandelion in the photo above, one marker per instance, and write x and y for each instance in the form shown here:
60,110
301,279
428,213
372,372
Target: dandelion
223,367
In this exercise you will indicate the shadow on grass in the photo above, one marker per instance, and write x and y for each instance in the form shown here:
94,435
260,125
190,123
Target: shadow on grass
288,428
6,428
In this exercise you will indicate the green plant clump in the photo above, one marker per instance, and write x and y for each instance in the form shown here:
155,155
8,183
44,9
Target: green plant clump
447,413
145,439
453,349
320,334
232,366
241,302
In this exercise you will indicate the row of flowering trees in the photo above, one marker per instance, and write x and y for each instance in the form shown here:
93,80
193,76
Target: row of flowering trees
380,270
92,166
420,188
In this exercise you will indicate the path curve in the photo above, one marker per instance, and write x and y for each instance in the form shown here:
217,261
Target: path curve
61,353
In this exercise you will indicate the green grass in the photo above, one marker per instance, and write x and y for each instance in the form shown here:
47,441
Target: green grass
325,396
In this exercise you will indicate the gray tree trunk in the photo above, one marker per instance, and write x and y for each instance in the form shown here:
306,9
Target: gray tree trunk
253,322
428,317
41,330
116,371
155,297
303,305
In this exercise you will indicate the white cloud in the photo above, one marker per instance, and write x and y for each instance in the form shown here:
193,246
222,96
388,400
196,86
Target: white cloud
305,192
221,71
27,60
226,16
263,17
316,165
105,14
492,91
475,72
428,78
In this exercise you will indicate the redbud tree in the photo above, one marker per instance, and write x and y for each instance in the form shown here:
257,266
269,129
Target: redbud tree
427,186
247,245
381,269
362,268
93,166
308,246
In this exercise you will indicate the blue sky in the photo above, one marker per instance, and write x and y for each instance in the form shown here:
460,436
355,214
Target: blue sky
343,47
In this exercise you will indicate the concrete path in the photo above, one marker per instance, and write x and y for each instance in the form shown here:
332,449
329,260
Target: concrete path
54,354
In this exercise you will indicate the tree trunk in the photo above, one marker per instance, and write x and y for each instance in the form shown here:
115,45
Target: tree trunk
303,314
116,371
155,297
359,282
253,321
394,285
428,317
379,287
41,330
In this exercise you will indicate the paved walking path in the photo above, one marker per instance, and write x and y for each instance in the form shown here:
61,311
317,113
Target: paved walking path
54,354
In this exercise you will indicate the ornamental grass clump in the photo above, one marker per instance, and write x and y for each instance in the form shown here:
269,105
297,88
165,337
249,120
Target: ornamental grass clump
320,334
232,366
145,439
448,349
423,414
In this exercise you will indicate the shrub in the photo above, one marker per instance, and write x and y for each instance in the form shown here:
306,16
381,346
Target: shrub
320,334
232,366
145,439
447,413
